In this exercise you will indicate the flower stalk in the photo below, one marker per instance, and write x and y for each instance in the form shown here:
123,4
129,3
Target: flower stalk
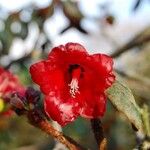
99,134
38,121
47,128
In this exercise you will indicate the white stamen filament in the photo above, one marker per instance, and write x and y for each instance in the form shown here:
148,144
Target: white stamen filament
74,88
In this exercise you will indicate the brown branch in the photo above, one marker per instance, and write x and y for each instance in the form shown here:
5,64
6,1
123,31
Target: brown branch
49,129
99,134
75,143
36,119
135,82
137,41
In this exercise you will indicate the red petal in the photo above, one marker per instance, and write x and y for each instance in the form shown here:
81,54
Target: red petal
105,61
71,53
100,106
68,48
9,83
72,47
104,65
93,104
1,70
47,76
63,113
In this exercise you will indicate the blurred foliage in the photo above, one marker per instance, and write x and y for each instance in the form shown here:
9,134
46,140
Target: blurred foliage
15,132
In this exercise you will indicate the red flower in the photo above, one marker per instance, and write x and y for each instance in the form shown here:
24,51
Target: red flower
73,82
9,83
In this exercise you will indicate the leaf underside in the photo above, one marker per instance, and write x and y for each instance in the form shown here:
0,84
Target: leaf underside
122,98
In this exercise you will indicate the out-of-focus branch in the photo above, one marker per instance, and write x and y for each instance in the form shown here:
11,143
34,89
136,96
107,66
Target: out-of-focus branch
135,42
60,145
38,121
99,134
135,83
20,60
46,127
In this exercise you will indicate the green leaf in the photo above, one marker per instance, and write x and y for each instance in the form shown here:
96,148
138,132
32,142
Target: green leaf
122,98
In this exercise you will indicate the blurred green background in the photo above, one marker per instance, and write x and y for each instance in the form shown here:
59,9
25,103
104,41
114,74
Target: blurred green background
30,28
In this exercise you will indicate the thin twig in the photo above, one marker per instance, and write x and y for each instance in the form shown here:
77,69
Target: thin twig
75,143
135,82
98,133
133,43
50,130
36,119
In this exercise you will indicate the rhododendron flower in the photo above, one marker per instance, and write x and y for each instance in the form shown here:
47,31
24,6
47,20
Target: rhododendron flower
73,82
9,83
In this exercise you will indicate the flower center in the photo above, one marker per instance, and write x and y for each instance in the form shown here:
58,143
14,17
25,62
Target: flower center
74,87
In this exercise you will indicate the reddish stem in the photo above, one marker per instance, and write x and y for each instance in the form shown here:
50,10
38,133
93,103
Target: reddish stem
49,129
36,119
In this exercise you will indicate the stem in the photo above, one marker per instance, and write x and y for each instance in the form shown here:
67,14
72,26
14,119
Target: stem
36,119
137,41
75,143
50,130
98,133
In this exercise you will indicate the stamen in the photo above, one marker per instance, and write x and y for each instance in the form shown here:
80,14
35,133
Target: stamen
74,88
